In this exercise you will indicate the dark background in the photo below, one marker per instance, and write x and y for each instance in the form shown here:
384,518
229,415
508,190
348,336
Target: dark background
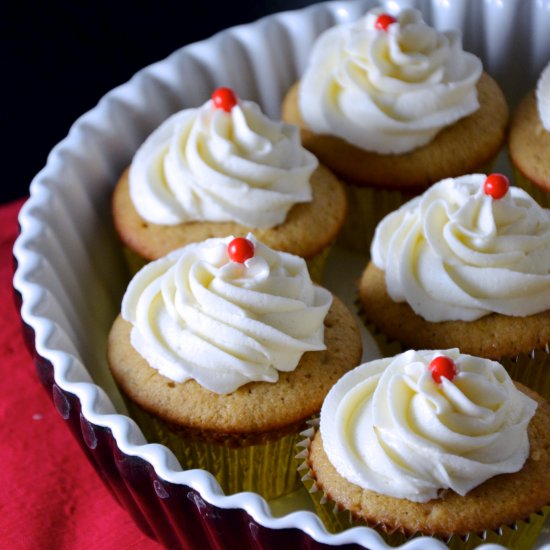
59,58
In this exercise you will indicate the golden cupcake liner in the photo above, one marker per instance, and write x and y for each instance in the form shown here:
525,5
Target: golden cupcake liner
134,261
540,195
519,536
367,206
268,468
531,369
387,347
316,264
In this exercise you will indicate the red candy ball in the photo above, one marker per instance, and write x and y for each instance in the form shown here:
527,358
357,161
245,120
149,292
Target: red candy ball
496,185
240,250
383,21
442,366
224,98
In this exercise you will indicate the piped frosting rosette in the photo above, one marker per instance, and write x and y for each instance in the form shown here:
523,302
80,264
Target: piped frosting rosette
458,253
389,427
220,164
391,87
199,314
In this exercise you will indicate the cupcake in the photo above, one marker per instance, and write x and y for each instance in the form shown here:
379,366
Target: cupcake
433,443
223,350
393,106
466,264
225,169
529,141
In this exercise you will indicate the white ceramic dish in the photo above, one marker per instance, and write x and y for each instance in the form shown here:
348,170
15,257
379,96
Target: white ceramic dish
70,275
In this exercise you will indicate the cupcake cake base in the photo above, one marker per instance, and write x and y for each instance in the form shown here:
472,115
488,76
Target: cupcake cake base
308,231
397,327
246,438
378,184
509,509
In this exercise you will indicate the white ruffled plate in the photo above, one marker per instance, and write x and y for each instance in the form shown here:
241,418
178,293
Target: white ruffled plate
70,275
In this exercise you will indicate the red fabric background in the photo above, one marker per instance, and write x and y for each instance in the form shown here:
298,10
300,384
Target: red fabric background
50,496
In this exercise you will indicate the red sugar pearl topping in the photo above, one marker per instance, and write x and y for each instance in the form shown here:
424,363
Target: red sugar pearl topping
224,98
496,185
442,366
383,21
240,250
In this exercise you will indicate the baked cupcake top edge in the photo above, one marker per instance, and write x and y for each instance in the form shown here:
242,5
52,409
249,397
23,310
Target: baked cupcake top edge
465,248
417,424
225,312
388,84
224,161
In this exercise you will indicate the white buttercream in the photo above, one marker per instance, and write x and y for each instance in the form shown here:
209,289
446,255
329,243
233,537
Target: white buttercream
388,427
543,97
455,253
388,91
209,165
198,315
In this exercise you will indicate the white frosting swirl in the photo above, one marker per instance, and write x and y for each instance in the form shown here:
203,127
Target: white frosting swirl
198,315
543,97
388,91
455,253
209,165
388,427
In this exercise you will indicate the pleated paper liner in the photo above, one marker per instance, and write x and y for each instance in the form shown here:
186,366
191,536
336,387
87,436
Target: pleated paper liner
315,264
531,369
388,348
368,205
134,261
268,468
539,194
519,536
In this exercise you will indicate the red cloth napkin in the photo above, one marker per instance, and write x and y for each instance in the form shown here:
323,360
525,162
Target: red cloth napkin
50,495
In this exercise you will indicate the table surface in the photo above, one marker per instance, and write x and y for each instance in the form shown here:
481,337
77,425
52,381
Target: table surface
50,495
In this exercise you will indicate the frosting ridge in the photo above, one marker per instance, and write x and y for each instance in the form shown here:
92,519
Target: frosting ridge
455,253
198,315
388,427
388,91
206,164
